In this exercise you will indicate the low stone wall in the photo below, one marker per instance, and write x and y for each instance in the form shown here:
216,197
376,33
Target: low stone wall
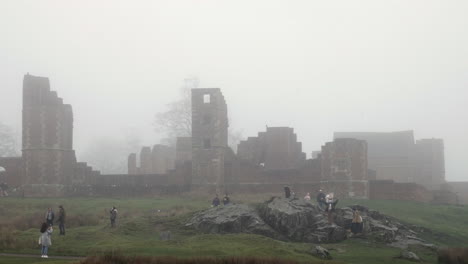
390,190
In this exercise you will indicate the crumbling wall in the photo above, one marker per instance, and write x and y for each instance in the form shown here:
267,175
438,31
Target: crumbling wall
275,149
183,150
344,166
390,190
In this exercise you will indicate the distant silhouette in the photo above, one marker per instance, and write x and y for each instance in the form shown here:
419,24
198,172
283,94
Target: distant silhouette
113,216
216,201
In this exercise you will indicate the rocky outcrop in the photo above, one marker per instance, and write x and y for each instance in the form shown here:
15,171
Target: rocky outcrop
234,218
299,220
302,221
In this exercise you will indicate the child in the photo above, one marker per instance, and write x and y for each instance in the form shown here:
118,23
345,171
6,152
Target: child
45,239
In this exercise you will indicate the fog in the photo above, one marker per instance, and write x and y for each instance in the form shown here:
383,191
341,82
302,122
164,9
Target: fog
317,66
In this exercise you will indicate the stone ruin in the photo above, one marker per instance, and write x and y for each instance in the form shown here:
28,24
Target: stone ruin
264,163
157,160
48,163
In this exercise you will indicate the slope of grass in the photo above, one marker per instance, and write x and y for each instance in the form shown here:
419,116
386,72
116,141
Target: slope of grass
141,221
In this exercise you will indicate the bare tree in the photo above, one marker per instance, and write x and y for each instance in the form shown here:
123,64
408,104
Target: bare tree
177,120
8,146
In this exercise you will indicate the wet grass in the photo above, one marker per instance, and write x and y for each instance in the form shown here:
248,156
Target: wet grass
141,222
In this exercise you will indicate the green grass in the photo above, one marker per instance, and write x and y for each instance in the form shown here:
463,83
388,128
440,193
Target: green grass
20,260
140,223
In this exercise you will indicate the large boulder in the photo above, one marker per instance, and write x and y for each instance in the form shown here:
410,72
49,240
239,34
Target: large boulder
300,220
234,218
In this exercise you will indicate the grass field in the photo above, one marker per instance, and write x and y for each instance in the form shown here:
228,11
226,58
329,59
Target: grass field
141,221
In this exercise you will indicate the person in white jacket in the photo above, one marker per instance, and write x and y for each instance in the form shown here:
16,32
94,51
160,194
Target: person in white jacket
44,240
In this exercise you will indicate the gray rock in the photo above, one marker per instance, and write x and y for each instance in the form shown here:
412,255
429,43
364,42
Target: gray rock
297,220
321,252
300,221
235,218
408,255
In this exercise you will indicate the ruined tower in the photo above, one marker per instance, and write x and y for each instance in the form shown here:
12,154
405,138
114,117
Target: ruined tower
48,156
209,137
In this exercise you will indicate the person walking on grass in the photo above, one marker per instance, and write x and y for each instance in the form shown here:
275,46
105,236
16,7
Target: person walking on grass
61,220
44,239
49,217
113,216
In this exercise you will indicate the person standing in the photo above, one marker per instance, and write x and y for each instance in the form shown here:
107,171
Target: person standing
215,201
226,200
287,192
113,216
307,197
49,217
44,239
61,220
321,199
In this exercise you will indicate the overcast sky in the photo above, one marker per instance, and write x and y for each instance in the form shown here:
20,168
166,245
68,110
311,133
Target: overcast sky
317,66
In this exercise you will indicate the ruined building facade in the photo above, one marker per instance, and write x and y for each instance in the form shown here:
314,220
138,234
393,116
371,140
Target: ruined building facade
48,163
344,167
48,156
157,160
275,149
396,156
209,136
399,166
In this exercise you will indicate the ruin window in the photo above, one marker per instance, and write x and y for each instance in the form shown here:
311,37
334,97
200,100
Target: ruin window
206,120
206,98
206,144
341,164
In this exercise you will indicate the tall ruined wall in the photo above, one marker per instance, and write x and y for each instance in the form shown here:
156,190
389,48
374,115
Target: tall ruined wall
430,161
156,160
48,156
209,136
275,149
163,159
183,150
344,166
395,156
389,154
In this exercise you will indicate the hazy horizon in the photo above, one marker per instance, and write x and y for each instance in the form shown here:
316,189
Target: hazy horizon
319,67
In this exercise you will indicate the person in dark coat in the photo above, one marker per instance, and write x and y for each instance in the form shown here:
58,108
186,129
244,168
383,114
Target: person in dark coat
113,216
321,199
226,200
216,201
49,217
61,220
287,191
